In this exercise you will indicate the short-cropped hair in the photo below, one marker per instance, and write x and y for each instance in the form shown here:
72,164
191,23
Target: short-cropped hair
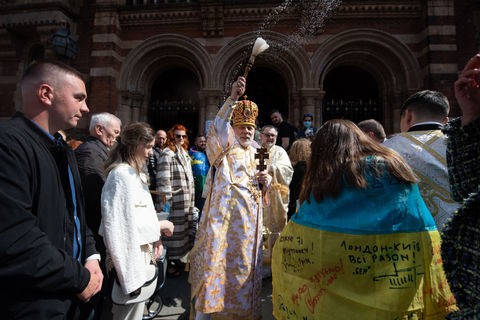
269,127
47,69
275,111
372,125
428,104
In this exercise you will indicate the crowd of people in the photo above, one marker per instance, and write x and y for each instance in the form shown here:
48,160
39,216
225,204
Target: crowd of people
347,222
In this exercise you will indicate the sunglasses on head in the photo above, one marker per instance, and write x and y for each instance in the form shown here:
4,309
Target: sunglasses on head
178,136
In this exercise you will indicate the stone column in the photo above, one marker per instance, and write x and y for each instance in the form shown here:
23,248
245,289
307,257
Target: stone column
295,109
137,103
209,105
124,110
311,103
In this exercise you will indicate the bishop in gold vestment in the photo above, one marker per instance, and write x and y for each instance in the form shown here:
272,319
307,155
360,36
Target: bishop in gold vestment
225,263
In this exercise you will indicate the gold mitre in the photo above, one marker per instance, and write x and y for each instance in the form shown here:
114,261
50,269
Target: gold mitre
245,113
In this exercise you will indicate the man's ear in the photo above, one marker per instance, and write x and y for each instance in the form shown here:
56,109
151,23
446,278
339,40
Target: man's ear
409,118
45,94
444,122
99,130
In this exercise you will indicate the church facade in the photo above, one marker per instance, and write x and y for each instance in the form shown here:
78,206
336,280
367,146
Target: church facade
167,61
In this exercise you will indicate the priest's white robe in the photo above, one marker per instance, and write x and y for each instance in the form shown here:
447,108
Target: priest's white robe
425,152
275,213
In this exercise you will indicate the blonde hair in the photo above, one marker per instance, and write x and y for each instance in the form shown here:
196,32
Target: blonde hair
300,151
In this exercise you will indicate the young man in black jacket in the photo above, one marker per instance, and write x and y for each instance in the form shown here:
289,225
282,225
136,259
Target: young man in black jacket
48,261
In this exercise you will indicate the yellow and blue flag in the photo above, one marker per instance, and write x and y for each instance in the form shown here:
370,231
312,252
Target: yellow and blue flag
371,253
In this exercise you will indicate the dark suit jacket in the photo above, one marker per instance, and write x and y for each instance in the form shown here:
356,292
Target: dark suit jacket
91,156
38,275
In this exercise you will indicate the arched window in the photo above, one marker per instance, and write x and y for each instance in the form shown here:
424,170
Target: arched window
269,91
351,93
174,100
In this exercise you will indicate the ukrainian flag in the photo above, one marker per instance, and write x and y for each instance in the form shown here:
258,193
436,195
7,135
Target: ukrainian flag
372,253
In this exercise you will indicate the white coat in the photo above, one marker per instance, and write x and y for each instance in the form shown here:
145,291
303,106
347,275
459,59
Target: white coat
128,222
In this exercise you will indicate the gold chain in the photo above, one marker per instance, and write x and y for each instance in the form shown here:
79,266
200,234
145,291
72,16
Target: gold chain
146,248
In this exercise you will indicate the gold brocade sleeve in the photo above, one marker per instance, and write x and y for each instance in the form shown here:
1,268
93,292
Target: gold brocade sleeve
215,151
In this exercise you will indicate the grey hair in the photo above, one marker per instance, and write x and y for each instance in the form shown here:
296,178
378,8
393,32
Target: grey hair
104,118
269,127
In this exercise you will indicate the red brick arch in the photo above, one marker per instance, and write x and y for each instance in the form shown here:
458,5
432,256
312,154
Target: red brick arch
389,60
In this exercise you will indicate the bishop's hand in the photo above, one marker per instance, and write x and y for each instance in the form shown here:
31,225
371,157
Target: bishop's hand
238,88
264,178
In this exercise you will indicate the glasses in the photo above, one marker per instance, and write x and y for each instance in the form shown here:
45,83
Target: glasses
178,136
270,135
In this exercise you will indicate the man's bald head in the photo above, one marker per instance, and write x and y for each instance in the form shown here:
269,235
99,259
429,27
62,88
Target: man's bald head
160,139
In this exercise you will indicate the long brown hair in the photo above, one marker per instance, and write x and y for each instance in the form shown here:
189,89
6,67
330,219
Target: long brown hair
171,138
133,135
338,150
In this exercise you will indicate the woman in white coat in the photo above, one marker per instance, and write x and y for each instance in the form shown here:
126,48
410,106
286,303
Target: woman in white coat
129,221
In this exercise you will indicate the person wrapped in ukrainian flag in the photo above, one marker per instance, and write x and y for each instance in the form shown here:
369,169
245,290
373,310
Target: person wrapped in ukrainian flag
362,245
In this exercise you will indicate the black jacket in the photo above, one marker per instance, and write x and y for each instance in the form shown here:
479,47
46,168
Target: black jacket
38,275
299,170
91,156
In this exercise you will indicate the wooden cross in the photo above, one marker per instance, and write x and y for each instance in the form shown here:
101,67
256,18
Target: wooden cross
261,155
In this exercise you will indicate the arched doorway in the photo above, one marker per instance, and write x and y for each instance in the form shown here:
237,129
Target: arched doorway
351,93
269,91
174,100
